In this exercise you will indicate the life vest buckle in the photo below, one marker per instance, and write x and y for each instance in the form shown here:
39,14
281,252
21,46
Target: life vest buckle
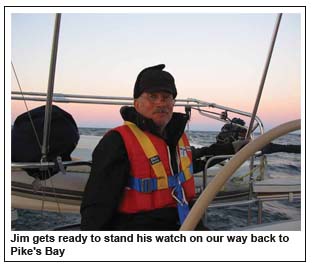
178,194
182,204
147,185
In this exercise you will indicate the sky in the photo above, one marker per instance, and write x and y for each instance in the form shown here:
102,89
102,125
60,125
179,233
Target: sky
215,57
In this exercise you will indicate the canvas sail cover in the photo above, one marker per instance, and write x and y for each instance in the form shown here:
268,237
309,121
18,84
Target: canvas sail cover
64,136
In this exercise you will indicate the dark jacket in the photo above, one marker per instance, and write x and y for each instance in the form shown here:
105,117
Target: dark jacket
110,173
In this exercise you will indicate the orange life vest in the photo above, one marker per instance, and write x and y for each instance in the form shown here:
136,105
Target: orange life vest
151,182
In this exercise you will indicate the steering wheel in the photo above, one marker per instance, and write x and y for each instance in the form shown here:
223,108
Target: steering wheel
236,161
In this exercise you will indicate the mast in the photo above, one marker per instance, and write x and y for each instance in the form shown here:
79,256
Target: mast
48,108
265,71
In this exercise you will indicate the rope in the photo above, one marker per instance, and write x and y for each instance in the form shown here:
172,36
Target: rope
241,178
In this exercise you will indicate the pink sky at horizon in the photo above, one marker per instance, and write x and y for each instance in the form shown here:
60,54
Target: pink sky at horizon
108,116
223,66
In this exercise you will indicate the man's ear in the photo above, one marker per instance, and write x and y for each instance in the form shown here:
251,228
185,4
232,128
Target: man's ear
136,104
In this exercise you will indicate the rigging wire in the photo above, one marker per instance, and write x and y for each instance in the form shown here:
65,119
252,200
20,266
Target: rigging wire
39,144
25,103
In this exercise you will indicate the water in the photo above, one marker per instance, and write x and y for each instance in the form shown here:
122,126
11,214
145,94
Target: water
280,165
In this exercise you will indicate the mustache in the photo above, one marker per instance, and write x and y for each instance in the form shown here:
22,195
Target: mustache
161,110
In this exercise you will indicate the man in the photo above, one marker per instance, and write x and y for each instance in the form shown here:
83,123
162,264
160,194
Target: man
142,172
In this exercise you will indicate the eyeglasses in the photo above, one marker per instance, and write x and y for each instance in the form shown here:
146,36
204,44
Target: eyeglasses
154,98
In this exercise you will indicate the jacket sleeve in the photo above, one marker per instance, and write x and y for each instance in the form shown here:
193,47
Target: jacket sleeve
215,149
105,186
287,148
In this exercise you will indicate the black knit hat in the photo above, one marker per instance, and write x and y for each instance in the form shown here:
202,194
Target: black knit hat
154,79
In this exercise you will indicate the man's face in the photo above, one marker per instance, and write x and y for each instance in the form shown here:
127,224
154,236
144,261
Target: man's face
157,106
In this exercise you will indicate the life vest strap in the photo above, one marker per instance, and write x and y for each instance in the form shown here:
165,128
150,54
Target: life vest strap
182,204
162,180
150,184
151,153
185,160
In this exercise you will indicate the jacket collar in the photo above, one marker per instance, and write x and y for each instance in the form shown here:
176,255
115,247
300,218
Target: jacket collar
173,130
